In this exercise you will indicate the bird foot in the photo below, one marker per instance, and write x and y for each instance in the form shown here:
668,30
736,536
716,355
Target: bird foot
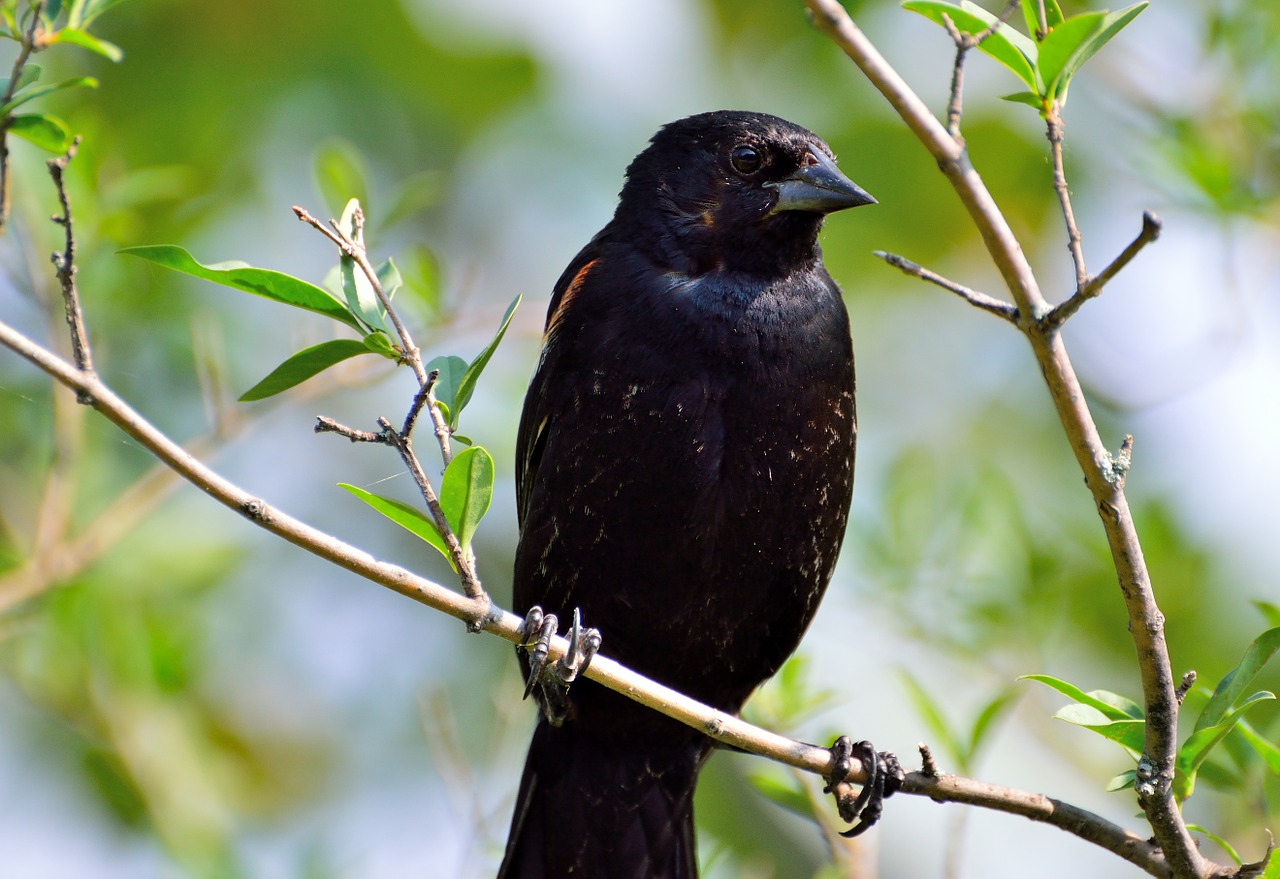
884,777
553,679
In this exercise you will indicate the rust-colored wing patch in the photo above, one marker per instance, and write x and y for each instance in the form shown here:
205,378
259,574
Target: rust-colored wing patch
562,303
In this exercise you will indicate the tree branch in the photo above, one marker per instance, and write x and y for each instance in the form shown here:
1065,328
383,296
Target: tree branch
25,49
1151,226
1146,623
979,300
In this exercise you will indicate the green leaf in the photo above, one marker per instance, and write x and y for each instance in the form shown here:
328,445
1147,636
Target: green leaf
469,378
465,492
1031,99
303,365
1127,733
1122,781
1112,705
927,707
389,277
380,343
1006,45
51,10
1059,49
451,371
1271,612
75,13
361,298
95,8
412,520
30,73
784,794
986,720
1052,15
1236,681
1198,745
414,194
28,94
1268,750
1222,843
260,282
422,276
1112,24
85,40
47,132
340,175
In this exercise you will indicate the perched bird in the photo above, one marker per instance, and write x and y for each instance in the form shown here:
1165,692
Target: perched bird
683,474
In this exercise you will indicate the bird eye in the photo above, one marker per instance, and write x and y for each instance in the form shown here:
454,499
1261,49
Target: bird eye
745,159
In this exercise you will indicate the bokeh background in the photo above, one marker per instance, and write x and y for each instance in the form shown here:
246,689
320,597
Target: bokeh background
182,695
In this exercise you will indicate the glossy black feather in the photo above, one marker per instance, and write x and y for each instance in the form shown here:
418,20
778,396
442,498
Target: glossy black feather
684,468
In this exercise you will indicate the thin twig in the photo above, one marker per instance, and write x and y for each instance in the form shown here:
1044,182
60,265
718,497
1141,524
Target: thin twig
420,399
325,424
979,300
65,264
1151,226
1146,623
1054,132
356,251
462,561
965,42
25,49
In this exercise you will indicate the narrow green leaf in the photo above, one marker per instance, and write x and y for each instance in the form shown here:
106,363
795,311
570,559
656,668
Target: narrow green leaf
75,13
986,720
29,94
1006,45
465,492
47,132
412,520
784,794
303,365
1198,745
51,10
1059,48
422,276
1222,843
360,296
1123,780
1111,705
261,282
95,8
1052,15
389,277
1239,679
380,343
1270,611
451,371
467,384
1268,750
1127,733
459,438
340,175
30,74
1112,24
927,707
85,40
1031,99
413,195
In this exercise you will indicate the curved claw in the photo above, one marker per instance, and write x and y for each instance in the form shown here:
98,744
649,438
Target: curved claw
583,644
538,630
884,777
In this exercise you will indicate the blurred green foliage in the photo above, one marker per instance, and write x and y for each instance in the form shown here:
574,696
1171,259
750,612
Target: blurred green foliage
231,710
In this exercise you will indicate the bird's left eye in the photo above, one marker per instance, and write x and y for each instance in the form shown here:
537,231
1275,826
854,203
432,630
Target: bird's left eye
745,159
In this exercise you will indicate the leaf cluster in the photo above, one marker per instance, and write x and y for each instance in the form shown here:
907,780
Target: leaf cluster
1044,62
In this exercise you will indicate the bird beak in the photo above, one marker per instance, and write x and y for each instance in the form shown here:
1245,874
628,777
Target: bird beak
818,187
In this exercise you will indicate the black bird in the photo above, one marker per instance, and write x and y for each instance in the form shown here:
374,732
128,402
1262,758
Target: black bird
683,474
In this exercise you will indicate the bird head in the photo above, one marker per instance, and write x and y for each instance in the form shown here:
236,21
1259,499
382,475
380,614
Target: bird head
733,191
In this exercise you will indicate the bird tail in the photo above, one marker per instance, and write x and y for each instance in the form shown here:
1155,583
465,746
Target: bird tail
603,810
